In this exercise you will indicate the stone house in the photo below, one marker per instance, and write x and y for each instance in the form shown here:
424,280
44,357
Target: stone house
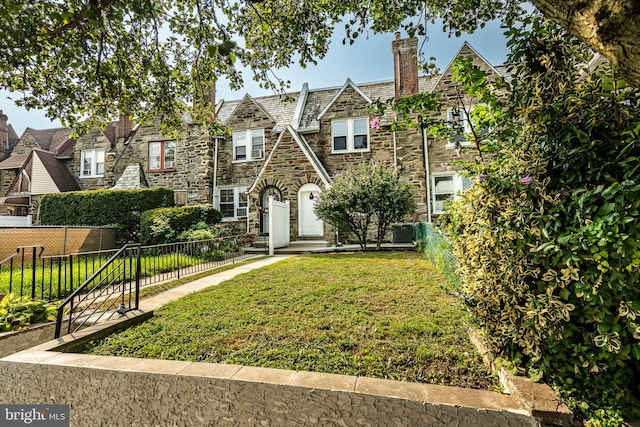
292,148
287,147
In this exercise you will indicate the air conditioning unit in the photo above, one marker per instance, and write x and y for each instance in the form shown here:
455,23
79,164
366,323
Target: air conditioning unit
242,212
169,165
257,154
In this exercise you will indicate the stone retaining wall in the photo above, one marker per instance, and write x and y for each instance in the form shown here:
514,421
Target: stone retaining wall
105,390
15,341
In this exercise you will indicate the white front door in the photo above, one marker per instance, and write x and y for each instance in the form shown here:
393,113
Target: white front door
309,223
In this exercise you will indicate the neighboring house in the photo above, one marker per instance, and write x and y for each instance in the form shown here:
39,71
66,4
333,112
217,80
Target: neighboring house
287,147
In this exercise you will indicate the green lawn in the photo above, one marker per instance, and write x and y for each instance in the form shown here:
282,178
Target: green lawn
383,315
82,269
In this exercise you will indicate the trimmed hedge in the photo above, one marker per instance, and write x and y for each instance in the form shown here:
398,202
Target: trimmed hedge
120,209
163,225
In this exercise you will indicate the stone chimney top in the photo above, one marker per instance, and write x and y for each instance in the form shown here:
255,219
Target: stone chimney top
4,131
405,63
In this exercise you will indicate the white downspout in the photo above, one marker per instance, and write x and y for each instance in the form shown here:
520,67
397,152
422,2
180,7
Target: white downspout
215,171
427,178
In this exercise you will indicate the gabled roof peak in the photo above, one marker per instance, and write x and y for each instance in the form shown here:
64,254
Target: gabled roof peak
347,84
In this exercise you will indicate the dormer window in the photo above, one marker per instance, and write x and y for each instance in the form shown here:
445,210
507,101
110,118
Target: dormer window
248,145
92,163
351,135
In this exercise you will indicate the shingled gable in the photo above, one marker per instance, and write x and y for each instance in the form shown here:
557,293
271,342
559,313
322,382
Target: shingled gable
347,84
304,149
465,50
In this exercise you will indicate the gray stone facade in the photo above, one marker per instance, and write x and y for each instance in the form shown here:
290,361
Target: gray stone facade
296,153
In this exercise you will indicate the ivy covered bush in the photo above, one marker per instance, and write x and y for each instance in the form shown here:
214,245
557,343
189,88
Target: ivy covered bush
116,208
167,225
548,238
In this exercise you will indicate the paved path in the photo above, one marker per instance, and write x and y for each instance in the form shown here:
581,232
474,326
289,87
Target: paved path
156,301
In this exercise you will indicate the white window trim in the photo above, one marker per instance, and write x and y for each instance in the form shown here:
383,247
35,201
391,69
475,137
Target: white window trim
249,146
467,128
236,200
94,163
458,187
350,136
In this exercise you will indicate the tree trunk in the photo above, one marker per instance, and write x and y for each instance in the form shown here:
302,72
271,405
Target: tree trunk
611,27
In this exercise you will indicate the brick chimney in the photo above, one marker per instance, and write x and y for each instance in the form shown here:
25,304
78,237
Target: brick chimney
207,95
405,63
4,131
125,124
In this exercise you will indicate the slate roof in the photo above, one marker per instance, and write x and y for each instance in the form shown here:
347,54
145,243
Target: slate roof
50,139
280,107
132,177
14,162
317,100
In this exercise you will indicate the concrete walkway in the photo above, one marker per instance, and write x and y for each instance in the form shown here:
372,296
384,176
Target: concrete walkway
151,303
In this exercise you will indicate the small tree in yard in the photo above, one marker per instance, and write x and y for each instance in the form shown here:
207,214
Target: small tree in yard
369,195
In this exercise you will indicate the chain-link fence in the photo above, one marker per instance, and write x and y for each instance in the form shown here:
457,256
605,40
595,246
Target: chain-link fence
436,246
56,240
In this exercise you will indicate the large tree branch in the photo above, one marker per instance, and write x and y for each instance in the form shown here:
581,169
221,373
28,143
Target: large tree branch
611,27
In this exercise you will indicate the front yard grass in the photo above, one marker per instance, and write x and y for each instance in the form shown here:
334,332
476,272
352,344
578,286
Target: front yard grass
381,315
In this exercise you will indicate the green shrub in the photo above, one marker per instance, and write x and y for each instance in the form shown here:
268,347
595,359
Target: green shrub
369,195
548,240
19,312
165,225
116,208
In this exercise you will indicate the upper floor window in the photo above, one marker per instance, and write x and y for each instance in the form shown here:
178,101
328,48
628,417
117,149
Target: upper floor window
233,202
162,155
461,131
92,163
248,145
445,188
350,135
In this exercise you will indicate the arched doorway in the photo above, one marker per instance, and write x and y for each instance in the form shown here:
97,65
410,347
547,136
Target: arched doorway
308,222
270,190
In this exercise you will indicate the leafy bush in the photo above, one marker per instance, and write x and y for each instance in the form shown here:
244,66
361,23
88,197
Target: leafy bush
19,312
116,208
548,240
212,243
164,225
368,195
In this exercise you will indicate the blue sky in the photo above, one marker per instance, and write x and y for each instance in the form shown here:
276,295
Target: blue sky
367,60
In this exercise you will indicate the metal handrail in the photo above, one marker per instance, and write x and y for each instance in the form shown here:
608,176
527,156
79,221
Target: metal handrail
85,303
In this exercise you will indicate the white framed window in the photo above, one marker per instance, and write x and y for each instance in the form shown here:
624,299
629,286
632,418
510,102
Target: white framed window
461,128
446,187
248,145
351,135
162,155
92,163
232,202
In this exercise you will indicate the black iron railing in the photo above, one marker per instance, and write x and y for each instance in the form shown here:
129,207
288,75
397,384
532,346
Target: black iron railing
51,278
114,288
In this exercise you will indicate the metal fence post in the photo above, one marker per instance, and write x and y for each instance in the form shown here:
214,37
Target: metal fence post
138,265
33,273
